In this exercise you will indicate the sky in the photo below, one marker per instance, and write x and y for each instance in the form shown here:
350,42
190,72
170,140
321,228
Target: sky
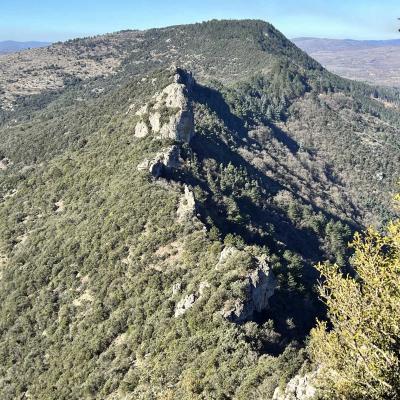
54,20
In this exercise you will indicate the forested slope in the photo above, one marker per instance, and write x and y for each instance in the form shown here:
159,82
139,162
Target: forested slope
159,225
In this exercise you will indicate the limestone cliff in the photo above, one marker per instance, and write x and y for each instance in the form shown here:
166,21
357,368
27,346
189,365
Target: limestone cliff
260,286
170,114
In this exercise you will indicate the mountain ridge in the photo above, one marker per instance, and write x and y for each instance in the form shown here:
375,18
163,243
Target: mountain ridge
11,46
310,44
159,224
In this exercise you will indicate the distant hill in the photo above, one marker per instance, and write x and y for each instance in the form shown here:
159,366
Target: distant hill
10,46
372,61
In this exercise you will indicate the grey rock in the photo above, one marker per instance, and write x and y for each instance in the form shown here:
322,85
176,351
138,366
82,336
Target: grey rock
203,287
226,253
187,302
174,101
4,164
176,288
261,284
298,388
141,129
184,304
167,159
187,206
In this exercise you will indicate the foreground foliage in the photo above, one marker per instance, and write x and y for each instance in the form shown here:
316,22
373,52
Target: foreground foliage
361,353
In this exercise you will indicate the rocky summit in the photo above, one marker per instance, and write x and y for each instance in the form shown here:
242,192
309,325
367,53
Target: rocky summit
164,197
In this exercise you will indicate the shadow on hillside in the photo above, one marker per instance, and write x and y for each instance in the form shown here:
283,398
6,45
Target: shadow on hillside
216,102
210,145
260,222
285,139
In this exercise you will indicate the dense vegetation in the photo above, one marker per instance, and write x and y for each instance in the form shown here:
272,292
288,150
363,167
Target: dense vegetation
94,259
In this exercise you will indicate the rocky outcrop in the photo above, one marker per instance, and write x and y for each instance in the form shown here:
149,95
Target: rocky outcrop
260,286
4,164
171,115
298,388
187,206
141,129
226,253
203,287
187,302
176,288
184,304
167,159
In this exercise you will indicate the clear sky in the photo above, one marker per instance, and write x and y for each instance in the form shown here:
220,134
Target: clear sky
52,20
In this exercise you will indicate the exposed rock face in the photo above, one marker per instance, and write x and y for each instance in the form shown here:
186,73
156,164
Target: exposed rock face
187,206
203,287
298,388
261,284
141,129
167,159
171,116
187,302
4,163
176,288
184,304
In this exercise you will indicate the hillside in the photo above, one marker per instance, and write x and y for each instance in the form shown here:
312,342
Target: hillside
160,219
373,61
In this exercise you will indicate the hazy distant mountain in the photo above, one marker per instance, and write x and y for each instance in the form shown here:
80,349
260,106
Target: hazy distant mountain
310,44
10,46
372,61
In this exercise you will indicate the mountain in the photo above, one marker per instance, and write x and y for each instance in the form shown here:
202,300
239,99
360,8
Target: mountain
373,61
165,195
10,46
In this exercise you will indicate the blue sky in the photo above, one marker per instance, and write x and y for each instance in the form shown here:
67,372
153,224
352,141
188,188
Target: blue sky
53,20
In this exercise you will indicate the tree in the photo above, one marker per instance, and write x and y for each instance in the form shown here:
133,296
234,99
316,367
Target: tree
359,351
